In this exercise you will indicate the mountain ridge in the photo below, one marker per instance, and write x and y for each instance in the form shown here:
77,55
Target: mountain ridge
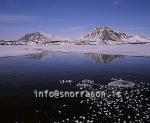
100,35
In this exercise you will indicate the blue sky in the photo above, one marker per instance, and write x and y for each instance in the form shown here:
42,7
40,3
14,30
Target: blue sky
72,18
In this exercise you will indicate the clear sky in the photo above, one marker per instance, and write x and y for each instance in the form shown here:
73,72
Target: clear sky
72,18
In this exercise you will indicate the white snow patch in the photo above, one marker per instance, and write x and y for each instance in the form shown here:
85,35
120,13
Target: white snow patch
124,49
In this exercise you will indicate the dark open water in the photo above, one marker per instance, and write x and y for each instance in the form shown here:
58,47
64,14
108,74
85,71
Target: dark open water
21,75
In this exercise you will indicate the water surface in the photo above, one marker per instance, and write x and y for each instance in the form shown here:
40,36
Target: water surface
21,75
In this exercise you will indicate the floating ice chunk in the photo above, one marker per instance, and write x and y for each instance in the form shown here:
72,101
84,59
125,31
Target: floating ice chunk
121,83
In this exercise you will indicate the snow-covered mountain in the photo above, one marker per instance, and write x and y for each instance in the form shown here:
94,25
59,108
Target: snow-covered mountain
98,36
37,36
106,35
137,39
41,38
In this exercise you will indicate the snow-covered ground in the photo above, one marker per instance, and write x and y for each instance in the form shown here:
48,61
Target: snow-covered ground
124,49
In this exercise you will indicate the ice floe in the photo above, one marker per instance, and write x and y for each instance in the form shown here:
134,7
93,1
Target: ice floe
121,83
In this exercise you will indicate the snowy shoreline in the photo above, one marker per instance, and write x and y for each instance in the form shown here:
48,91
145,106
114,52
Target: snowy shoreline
124,49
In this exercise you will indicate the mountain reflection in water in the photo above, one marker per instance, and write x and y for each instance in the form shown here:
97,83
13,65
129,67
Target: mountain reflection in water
41,56
101,58
98,58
